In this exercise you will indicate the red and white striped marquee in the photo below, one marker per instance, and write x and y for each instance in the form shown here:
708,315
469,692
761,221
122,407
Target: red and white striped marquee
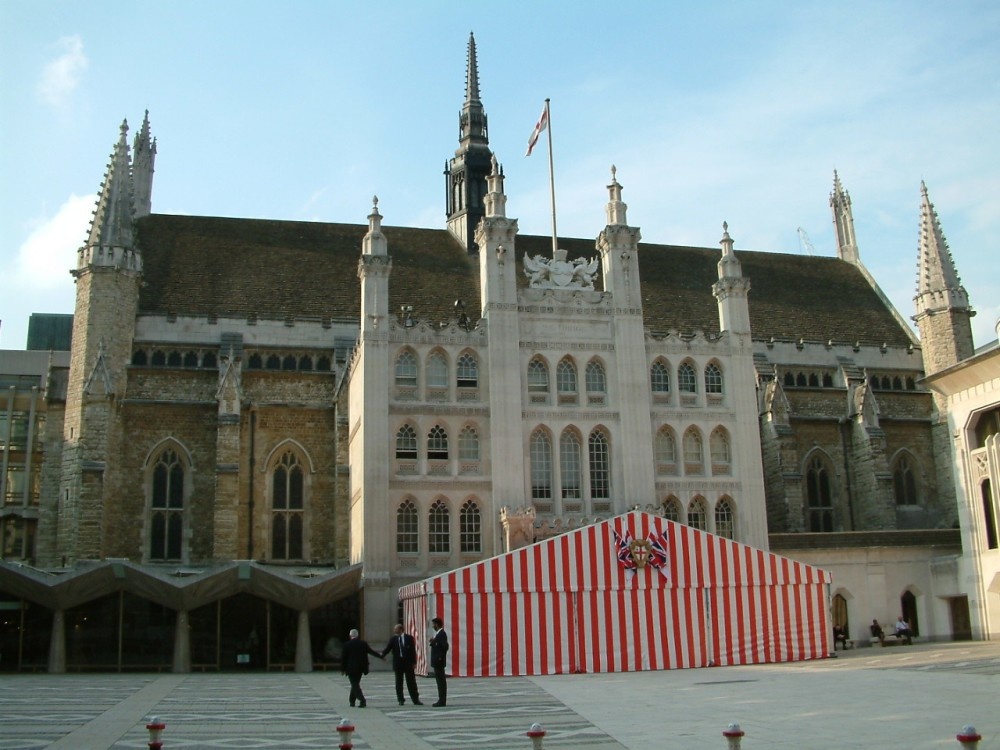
630,593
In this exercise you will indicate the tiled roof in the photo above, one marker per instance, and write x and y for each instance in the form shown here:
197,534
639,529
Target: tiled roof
279,269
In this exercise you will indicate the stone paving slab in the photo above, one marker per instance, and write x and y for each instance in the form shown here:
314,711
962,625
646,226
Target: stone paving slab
914,697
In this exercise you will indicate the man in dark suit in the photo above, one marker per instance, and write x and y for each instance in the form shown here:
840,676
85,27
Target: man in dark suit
439,654
404,659
354,663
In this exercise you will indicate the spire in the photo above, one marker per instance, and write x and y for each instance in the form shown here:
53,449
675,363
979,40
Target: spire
729,265
732,289
616,208
938,285
472,121
843,222
496,201
113,217
143,157
472,73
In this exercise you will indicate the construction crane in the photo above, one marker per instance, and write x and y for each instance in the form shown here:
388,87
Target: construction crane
805,245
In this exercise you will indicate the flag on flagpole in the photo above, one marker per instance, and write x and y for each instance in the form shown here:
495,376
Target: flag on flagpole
543,122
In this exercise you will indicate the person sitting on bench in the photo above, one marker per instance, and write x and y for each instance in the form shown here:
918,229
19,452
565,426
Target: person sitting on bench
903,631
877,632
839,637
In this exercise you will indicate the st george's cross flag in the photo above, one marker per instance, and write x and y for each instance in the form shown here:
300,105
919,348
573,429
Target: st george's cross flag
543,122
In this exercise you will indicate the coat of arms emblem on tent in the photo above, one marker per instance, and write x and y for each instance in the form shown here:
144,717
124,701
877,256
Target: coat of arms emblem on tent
635,554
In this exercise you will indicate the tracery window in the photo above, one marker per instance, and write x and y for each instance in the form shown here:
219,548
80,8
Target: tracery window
470,535
596,379
713,379
904,482
671,509
819,496
724,525
566,377
697,516
407,528
439,528
468,444
538,376
686,380
600,466
570,465
287,508
167,507
719,446
406,442
437,443
659,378
468,371
437,371
694,461
541,466
666,451
406,369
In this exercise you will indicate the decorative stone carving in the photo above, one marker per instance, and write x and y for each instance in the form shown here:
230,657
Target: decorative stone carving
559,273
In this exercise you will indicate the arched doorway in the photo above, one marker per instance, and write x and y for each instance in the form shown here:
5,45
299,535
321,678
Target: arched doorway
908,605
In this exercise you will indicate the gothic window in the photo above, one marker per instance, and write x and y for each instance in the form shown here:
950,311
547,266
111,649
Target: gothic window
139,357
468,444
989,516
174,359
566,377
886,384
159,359
287,508
800,380
789,379
437,371
713,379
255,362
406,442
273,362
721,456
570,465
911,385
659,378
289,363
600,466
827,380
470,528
439,528
724,518
666,451
874,381
541,466
167,507
597,381
437,443
209,360
694,461
671,509
813,380
819,496
407,528
191,359
897,384
406,369
305,363
538,377
904,482
323,364
686,380
697,517
468,372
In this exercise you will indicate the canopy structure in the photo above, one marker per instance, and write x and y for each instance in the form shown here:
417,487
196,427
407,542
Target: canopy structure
634,592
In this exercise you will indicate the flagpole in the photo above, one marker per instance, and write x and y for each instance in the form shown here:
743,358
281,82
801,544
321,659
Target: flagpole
552,182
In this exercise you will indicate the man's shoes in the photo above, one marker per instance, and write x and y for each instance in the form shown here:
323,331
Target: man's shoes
362,705
352,704
415,703
439,704
402,702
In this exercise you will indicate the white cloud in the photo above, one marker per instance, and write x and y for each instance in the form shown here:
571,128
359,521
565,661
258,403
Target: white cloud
49,252
61,76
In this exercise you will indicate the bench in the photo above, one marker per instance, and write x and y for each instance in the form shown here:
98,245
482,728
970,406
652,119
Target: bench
890,639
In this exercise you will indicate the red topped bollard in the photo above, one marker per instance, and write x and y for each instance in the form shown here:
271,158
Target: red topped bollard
969,737
537,734
733,735
346,730
155,728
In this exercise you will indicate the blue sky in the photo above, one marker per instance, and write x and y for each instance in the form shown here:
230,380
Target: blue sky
711,111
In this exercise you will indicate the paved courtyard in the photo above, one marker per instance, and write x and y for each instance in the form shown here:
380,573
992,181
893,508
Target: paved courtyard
897,697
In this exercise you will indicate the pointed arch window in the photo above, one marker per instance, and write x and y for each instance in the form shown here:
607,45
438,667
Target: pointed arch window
600,466
697,517
659,378
596,378
671,509
819,497
541,466
470,528
686,380
571,466
666,451
437,371
694,461
538,376
566,377
439,528
724,524
406,370
406,442
468,371
167,507
407,528
287,508
468,444
437,444
904,482
721,455
713,379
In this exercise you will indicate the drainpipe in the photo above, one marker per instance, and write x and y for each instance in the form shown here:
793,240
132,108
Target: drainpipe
253,429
